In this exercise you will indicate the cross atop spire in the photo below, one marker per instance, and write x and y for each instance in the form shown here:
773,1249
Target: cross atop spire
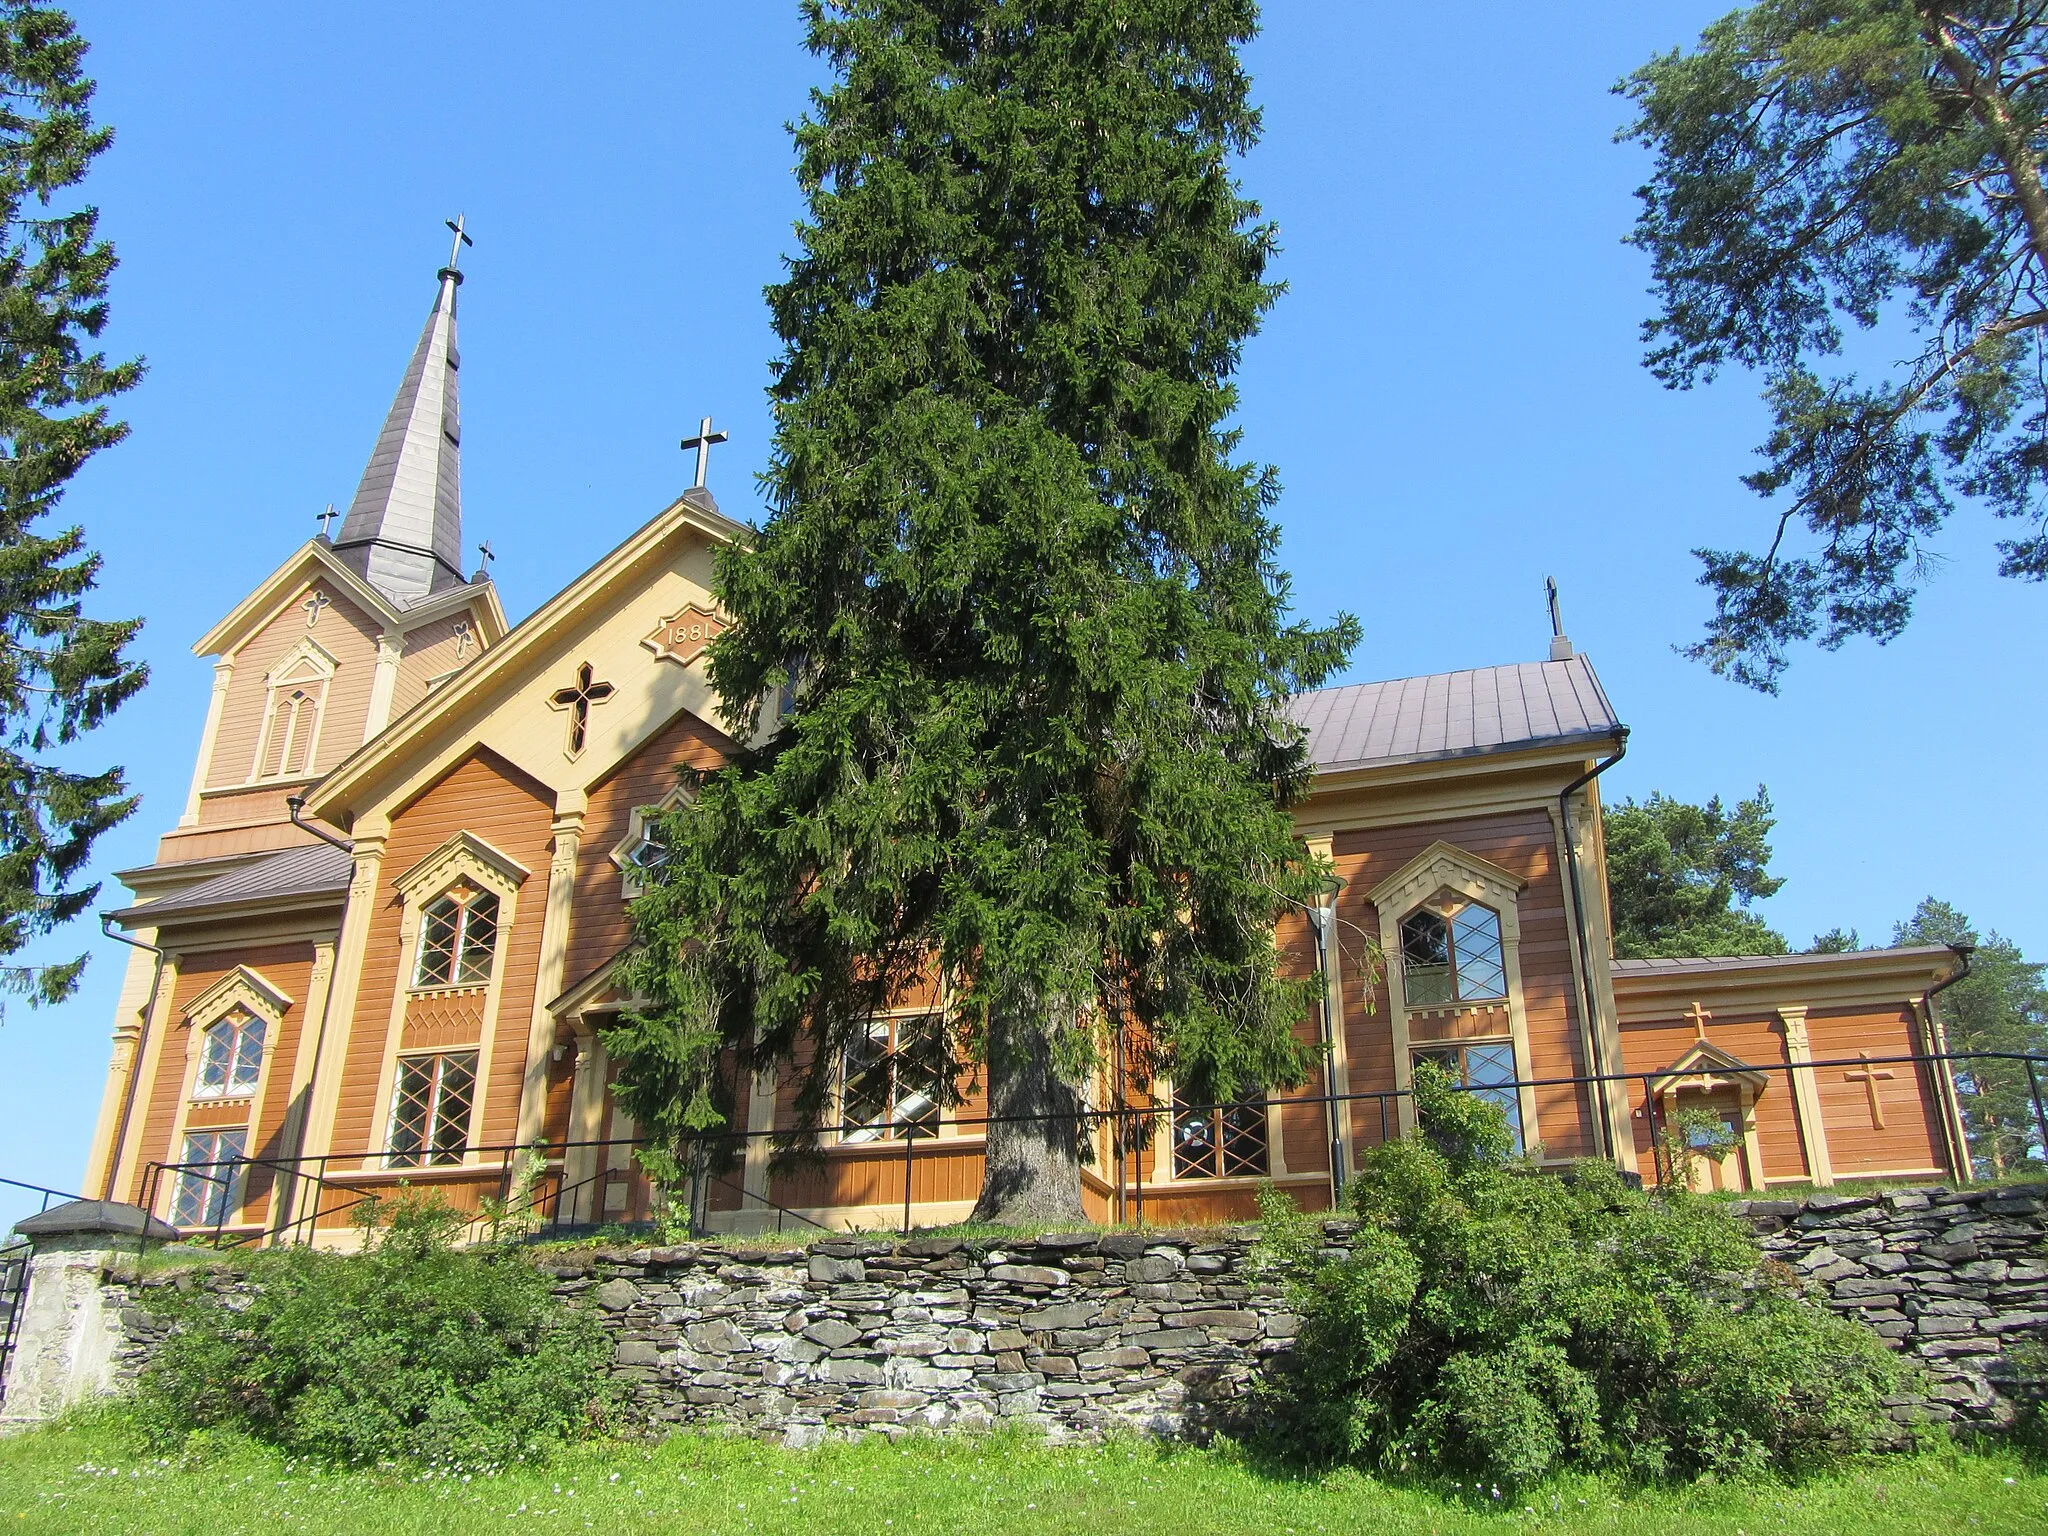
455,250
403,531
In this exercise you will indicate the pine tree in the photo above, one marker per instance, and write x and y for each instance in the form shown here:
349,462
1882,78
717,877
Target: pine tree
1680,877
1024,595
61,673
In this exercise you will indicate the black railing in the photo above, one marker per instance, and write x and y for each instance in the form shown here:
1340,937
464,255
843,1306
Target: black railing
548,1202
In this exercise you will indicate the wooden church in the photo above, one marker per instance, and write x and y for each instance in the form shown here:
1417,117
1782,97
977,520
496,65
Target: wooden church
378,944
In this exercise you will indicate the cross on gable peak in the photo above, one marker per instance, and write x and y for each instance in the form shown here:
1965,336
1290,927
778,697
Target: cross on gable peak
577,699
702,443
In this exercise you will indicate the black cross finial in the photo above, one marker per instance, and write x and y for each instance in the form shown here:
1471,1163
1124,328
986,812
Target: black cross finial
577,700
461,239
1556,619
487,552
325,518
702,443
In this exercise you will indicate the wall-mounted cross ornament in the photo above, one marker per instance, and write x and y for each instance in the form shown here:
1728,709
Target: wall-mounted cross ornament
702,444
577,701
465,637
1698,1017
313,605
325,518
1870,1077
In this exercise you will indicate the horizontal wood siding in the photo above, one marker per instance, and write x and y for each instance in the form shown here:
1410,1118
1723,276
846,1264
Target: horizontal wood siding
601,927
1758,1039
1911,1138
1523,843
430,653
349,635
488,797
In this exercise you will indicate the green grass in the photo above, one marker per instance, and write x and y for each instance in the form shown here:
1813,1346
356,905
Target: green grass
90,1479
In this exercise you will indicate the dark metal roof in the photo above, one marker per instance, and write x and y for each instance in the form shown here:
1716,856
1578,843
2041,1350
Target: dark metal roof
110,1217
1454,714
1722,964
315,870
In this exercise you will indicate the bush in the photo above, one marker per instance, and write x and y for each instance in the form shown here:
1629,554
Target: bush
1502,1322
411,1350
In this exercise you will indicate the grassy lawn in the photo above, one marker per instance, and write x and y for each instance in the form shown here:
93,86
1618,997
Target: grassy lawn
90,1479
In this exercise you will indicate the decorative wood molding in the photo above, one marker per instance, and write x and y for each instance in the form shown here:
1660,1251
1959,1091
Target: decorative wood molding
682,637
464,854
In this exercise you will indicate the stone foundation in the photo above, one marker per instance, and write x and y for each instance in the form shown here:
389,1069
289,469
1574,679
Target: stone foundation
1077,1334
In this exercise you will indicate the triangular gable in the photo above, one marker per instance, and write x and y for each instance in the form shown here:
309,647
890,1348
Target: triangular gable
315,559
1445,866
502,700
1704,1065
244,986
463,854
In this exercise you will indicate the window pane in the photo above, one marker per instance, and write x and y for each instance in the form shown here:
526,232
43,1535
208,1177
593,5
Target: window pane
456,1091
865,1086
412,1107
248,1064
479,938
1211,1142
1488,1068
1244,1140
217,1050
1482,973
438,927
920,1074
1194,1142
1425,958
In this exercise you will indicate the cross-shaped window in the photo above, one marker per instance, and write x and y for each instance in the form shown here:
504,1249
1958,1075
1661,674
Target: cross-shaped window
577,701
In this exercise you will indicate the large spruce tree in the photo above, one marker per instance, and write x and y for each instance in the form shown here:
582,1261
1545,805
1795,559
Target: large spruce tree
1021,589
61,672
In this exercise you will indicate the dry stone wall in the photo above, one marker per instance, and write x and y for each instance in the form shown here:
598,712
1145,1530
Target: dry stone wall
1069,1333
1953,1278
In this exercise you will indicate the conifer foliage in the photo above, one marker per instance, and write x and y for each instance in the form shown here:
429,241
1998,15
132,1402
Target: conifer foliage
1023,593
61,673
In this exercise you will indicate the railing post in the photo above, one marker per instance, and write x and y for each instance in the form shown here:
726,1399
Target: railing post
2040,1118
909,1151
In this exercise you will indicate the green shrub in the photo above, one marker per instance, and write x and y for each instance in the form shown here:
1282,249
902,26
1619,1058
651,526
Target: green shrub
412,1350
1501,1322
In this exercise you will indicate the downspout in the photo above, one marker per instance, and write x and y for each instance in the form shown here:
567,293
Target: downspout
1953,1120
1321,918
1601,1067
294,805
120,1140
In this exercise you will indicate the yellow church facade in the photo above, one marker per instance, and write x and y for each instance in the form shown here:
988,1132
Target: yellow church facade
377,945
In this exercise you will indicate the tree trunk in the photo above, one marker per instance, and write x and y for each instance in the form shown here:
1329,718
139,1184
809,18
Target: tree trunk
1033,1172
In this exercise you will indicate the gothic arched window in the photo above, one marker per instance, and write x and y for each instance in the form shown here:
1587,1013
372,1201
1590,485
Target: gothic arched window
1452,957
458,936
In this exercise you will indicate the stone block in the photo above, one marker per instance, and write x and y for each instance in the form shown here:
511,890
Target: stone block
1171,1338
1030,1274
1011,1338
888,1397
2010,1322
1005,1383
616,1295
823,1266
1072,1314
1219,1318
1152,1269
1937,1325
637,1352
926,1378
1125,1358
831,1333
717,1337
854,1373
1122,1245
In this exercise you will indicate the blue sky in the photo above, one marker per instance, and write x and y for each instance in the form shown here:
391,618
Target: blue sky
1451,390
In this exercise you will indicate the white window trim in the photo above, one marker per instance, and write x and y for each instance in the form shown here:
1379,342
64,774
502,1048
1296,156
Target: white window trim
947,1129
1443,870
307,663
476,1102
630,884
464,857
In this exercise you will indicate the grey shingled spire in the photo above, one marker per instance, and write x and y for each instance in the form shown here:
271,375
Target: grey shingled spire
404,529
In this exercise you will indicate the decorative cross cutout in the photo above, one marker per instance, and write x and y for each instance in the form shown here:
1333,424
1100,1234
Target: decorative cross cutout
325,518
702,443
464,638
313,605
1870,1077
461,239
577,701
1699,1017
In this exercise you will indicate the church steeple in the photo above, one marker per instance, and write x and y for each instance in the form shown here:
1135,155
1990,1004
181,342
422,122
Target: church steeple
404,528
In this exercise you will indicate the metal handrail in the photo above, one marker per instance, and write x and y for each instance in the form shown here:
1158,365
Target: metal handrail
1133,1125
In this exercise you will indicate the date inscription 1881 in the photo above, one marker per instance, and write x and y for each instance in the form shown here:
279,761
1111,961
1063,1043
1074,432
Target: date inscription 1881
683,636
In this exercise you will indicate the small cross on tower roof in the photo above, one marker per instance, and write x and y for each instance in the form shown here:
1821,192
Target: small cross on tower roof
702,444
455,250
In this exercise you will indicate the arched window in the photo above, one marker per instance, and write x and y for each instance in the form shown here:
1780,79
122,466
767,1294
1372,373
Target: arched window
458,935
1452,957
230,1056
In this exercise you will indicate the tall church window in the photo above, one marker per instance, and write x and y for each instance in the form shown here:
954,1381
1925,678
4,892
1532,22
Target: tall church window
1218,1141
230,1056
1453,957
430,1109
294,700
458,937
1486,1071
209,1186
893,1080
